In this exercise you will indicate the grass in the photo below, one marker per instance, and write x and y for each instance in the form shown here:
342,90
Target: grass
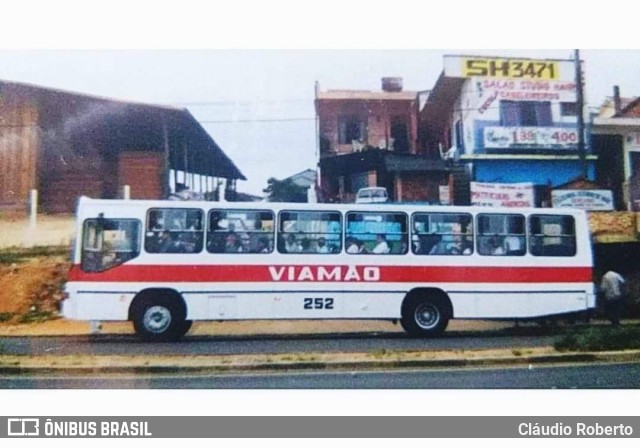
600,338
15,255
35,316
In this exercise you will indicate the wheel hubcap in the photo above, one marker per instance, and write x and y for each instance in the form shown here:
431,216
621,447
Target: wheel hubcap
157,319
427,316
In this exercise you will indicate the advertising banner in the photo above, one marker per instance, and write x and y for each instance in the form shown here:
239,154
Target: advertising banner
502,195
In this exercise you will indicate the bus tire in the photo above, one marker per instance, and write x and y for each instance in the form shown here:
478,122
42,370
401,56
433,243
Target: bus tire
425,316
159,319
185,328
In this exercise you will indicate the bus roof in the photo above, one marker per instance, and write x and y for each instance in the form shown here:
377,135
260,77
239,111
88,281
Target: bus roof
85,202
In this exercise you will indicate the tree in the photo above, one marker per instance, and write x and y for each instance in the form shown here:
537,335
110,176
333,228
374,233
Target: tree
285,191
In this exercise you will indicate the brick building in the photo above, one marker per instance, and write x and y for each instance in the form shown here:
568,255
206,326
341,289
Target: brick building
615,136
371,138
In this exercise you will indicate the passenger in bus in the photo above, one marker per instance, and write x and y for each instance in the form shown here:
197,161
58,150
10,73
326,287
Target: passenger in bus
321,246
497,248
381,247
353,246
231,244
459,247
428,242
166,244
156,223
441,248
245,243
514,245
263,245
305,246
291,245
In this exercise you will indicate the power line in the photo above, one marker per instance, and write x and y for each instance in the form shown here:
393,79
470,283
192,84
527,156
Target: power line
261,120
240,102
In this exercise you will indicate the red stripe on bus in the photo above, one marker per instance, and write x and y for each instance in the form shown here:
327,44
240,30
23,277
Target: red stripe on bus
365,274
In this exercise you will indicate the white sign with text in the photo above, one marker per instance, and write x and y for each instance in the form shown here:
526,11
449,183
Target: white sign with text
506,137
502,195
583,199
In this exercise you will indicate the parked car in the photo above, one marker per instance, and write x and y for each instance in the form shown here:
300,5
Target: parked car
371,195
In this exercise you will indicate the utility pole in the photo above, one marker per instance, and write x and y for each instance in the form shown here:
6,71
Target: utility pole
582,150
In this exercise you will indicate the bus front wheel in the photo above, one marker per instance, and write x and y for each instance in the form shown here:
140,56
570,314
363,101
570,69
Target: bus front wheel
425,316
159,320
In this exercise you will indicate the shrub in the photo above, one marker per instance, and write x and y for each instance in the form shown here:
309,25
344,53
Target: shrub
600,338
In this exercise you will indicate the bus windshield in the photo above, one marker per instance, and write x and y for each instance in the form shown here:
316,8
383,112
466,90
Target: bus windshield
107,243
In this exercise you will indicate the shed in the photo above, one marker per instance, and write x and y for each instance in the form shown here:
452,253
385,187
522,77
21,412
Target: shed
67,144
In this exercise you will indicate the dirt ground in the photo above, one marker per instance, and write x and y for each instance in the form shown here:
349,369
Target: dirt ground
32,286
63,327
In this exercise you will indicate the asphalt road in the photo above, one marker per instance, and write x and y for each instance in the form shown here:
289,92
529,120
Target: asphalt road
239,345
589,376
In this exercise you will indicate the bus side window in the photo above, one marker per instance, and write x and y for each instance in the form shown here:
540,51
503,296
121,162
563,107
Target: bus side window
552,235
379,233
501,234
240,231
310,232
442,234
174,231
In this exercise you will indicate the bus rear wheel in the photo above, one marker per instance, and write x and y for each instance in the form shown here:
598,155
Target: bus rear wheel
425,316
159,320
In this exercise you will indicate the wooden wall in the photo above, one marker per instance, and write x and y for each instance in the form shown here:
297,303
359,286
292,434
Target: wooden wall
19,149
63,145
143,172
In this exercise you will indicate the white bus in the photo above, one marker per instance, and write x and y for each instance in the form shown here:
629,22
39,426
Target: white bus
165,264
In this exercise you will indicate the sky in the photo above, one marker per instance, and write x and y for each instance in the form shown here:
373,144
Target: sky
256,101
258,104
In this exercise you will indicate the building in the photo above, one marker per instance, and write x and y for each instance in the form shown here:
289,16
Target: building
616,138
66,145
371,138
509,121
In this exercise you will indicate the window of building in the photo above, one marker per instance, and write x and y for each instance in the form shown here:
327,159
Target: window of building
459,135
376,233
501,234
442,234
400,133
552,235
569,109
240,231
525,113
310,232
350,129
174,231
107,243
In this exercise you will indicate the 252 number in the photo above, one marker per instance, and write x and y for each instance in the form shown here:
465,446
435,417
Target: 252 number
318,303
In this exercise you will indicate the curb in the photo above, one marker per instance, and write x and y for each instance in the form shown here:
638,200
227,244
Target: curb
283,366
